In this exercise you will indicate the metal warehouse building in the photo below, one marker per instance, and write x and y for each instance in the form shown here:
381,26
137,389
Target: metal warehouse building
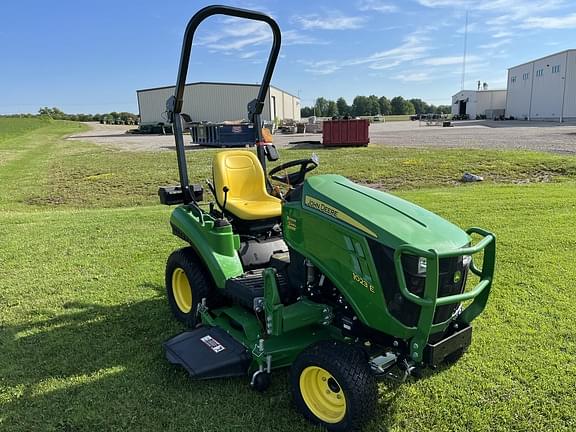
217,102
489,103
543,89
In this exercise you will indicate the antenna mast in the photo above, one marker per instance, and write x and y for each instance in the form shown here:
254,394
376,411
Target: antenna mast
464,56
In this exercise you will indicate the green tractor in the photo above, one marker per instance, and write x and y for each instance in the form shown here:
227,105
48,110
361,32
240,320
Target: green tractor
343,283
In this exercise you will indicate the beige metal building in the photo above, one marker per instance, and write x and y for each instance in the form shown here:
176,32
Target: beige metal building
217,102
489,103
543,89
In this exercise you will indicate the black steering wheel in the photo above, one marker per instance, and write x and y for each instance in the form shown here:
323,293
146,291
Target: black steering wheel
295,178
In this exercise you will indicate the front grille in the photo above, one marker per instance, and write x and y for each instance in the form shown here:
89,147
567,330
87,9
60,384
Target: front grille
402,309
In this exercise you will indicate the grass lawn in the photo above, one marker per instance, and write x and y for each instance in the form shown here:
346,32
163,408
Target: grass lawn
83,313
398,117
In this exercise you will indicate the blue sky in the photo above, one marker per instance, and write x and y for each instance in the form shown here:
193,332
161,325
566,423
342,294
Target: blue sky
92,56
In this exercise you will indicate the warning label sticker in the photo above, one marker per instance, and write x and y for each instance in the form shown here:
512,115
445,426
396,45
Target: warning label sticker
213,344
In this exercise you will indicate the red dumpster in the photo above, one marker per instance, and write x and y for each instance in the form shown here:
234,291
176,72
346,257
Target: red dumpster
345,133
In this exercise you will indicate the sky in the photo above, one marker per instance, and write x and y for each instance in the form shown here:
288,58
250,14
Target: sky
91,57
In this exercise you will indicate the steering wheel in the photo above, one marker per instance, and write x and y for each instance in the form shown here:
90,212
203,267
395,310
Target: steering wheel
295,178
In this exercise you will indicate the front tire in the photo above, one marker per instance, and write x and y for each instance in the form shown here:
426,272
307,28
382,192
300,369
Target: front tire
187,283
332,386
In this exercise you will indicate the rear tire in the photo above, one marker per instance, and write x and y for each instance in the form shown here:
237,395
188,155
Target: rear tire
187,283
333,387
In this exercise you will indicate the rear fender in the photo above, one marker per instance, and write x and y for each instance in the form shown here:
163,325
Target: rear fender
216,246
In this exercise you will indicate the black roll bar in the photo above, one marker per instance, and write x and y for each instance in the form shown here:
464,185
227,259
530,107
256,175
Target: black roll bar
255,107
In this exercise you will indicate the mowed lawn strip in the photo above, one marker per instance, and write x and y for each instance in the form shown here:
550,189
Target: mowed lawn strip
83,311
48,172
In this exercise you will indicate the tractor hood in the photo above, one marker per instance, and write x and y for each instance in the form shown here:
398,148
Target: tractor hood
381,216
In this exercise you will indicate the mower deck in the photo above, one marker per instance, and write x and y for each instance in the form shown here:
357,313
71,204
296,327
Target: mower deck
208,352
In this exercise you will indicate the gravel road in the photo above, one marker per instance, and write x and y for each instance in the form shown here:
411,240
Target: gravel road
542,136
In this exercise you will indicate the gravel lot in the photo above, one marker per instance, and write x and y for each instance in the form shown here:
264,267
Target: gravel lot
543,136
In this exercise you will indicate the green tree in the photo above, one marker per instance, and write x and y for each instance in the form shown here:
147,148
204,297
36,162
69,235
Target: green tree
331,109
306,111
420,106
343,108
409,108
321,107
373,105
360,106
397,104
443,109
385,107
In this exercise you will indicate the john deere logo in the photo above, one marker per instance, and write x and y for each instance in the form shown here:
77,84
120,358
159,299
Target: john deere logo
337,214
319,205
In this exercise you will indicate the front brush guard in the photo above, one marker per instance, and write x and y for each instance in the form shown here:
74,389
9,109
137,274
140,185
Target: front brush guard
430,300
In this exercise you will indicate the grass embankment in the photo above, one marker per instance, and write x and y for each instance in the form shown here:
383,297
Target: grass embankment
83,314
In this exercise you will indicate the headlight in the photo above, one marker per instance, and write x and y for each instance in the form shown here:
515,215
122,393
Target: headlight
421,265
466,260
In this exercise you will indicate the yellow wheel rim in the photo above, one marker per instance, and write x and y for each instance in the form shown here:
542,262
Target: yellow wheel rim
181,290
322,394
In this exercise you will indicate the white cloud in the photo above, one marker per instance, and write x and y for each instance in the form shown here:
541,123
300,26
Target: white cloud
236,34
502,34
494,45
449,60
515,11
413,77
512,7
294,37
329,22
376,6
248,54
323,67
568,21
441,3
413,47
471,28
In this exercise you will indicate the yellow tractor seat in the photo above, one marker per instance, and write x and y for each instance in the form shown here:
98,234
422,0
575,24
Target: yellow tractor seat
241,172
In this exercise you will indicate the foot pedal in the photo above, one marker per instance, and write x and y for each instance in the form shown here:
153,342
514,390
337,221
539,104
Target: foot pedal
208,352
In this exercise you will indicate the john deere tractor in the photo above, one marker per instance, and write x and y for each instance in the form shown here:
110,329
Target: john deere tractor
342,283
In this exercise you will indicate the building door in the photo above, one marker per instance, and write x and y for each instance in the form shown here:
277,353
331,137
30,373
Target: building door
462,108
273,108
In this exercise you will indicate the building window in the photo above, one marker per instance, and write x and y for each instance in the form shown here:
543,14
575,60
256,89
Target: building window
539,72
525,76
556,69
513,79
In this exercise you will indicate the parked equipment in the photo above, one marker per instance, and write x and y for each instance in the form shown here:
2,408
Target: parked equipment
343,283
223,135
345,133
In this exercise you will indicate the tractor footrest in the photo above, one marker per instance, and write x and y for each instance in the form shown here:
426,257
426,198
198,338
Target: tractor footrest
436,353
248,288
208,352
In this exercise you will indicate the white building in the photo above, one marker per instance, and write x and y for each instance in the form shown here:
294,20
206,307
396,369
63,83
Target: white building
543,89
217,102
489,103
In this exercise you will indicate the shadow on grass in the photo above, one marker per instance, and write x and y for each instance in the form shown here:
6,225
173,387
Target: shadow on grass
103,368
152,286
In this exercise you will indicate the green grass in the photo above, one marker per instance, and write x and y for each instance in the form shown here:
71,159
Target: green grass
398,117
83,314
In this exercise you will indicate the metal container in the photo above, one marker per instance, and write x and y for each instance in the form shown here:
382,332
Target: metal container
345,133
223,135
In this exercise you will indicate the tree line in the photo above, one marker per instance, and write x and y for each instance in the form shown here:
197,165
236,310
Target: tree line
58,114
372,105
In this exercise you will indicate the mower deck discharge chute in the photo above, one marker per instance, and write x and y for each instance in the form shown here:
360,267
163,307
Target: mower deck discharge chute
343,283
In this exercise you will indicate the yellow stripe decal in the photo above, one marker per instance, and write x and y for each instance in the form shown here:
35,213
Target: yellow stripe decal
337,214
